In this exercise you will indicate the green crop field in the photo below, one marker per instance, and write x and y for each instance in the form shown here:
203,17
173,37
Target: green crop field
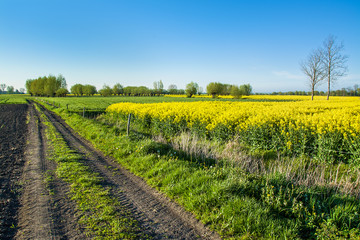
99,103
13,98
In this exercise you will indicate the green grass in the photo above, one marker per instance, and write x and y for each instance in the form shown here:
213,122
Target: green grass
233,202
99,103
13,98
102,215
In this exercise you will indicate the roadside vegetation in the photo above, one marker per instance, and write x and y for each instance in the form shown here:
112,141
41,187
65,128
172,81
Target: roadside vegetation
103,215
239,190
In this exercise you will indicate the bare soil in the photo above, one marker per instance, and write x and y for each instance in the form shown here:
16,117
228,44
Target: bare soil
12,150
46,211
43,210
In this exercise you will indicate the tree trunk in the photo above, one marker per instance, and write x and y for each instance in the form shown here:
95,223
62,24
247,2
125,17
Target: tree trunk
312,92
328,93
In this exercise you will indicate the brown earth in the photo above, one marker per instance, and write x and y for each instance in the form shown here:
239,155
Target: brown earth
43,210
12,147
46,211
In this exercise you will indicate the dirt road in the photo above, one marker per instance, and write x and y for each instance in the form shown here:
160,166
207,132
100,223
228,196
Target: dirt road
46,212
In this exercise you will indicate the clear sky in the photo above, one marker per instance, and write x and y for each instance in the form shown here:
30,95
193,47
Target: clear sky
137,42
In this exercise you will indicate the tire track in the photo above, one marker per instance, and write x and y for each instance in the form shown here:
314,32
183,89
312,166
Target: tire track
34,215
44,215
158,216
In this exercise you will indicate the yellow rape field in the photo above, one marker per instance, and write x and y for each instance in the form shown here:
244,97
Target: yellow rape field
321,116
295,123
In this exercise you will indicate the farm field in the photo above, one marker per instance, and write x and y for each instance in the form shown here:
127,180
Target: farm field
12,150
58,186
13,98
326,130
238,189
99,103
268,167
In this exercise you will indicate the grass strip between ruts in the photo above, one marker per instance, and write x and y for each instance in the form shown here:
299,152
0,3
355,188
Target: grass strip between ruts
102,215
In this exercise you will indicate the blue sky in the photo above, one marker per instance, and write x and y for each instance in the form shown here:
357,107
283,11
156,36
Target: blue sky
137,42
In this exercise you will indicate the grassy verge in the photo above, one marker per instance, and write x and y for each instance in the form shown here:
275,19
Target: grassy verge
103,215
13,98
232,201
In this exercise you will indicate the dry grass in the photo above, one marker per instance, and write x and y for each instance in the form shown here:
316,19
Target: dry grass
301,171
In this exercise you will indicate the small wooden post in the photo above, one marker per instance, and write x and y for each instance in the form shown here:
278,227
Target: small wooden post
128,125
67,106
84,112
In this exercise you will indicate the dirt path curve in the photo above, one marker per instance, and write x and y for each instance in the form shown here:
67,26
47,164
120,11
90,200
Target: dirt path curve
158,216
43,215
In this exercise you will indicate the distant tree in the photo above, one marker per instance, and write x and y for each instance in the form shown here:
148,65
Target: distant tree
356,86
118,89
22,90
226,89
3,87
61,92
143,91
106,91
161,87
312,67
214,89
333,60
158,87
356,90
246,89
127,90
191,89
51,86
88,90
10,89
28,86
200,91
236,92
77,89
37,87
61,81
181,91
172,89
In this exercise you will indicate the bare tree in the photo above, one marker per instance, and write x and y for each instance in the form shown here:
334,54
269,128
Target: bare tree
312,68
334,62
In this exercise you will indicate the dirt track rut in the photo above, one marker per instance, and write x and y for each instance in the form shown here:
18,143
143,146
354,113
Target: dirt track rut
43,215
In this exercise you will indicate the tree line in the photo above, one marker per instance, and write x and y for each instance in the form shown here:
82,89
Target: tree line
48,86
325,64
51,86
349,91
215,88
4,89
